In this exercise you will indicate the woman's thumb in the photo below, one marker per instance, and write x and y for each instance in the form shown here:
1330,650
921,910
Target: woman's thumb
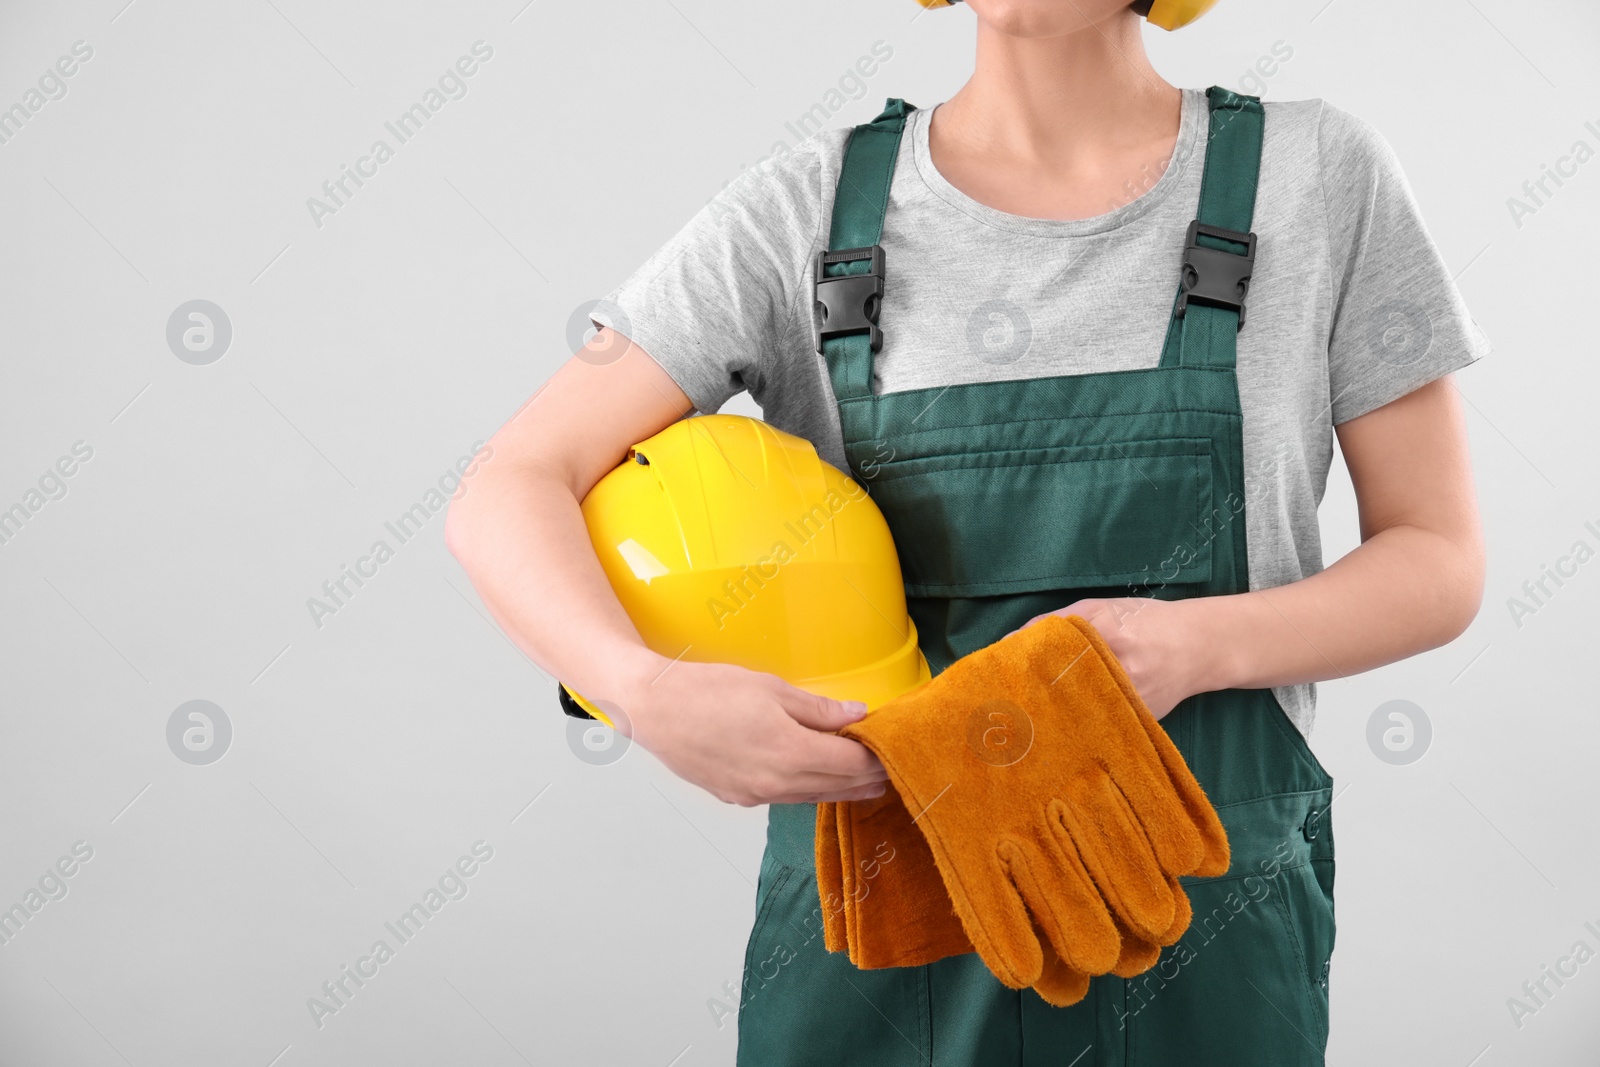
821,713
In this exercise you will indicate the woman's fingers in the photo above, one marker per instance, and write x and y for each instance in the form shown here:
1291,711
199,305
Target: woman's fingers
782,788
793,764
814,765
862,792
808,752
751,738
819,712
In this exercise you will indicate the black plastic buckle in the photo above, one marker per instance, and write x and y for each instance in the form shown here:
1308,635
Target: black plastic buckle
849,303
1213,277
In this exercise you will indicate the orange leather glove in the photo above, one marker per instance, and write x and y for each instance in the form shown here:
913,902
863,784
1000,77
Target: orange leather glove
881,895
1060,858
894,911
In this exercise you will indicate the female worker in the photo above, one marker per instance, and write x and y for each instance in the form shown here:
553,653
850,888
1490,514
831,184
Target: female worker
1153,465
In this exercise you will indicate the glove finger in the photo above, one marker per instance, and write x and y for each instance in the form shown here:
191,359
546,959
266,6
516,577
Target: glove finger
1214,858
993,914
1183,914
852,886
830,879
866,827
1118,854
1137,956
1167,822
1178,853
1066,908
1059,984
902,915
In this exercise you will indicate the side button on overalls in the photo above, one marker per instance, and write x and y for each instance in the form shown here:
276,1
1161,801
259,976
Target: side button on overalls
1008,499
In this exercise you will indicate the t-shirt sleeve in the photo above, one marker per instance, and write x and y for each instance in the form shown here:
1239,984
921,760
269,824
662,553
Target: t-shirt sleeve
1398,320
711,306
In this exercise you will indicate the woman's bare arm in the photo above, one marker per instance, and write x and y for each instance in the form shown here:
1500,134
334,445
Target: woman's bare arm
748,738
1414,583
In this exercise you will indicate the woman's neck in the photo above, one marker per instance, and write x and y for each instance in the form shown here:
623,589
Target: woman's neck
1058,127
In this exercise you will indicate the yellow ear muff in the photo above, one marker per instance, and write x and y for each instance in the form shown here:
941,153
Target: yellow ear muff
1168,14
1172,14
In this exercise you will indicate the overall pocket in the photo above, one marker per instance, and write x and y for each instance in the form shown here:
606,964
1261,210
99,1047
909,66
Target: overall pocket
1235,991
1130,514
1307,913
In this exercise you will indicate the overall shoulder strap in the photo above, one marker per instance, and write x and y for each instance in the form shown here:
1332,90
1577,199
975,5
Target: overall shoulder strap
849,274
1219,252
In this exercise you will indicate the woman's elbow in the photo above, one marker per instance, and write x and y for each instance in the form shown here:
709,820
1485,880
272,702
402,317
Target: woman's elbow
470,516
457,531
1461,585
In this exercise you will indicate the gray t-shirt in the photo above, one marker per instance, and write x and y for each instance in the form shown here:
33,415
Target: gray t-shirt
1350,306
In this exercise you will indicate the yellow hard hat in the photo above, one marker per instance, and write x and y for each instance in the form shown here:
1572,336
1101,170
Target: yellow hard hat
1168,14
729,541
1172,14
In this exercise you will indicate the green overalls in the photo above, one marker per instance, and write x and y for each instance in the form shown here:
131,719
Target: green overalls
1009,499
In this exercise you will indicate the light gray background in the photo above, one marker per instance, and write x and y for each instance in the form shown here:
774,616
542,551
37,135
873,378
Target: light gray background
369,355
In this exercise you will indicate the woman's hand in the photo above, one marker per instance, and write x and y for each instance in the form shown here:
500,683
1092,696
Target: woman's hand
750,738
1161,644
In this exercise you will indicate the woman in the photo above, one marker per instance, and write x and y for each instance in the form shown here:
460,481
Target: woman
1026,328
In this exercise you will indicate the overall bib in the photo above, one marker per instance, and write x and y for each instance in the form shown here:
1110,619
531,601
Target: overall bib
1009,499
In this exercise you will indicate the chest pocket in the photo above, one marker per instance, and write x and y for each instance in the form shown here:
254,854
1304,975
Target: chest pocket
1129,514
